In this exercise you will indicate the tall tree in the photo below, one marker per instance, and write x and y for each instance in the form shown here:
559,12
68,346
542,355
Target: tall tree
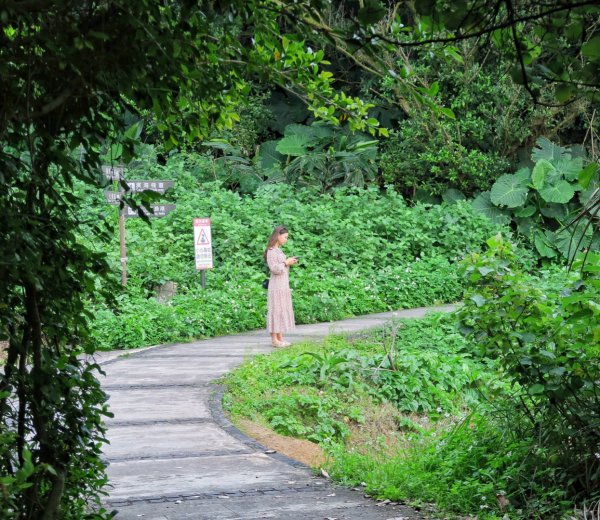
69,72
551,44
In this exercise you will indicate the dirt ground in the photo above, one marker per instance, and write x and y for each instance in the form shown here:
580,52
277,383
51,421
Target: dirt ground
304,451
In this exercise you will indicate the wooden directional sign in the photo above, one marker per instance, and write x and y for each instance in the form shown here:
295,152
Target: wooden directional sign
112,173
113,197
115,173
160,210
158,186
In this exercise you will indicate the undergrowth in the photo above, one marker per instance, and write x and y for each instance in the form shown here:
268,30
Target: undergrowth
362,251
411,412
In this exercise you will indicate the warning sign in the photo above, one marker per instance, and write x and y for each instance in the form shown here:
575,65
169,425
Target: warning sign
202,238
202,243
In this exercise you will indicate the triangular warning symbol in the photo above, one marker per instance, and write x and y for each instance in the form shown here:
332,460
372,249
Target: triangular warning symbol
202,239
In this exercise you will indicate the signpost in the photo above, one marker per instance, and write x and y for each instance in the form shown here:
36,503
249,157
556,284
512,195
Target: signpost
115,173
112,173
158,186
160,210
113,197
203,247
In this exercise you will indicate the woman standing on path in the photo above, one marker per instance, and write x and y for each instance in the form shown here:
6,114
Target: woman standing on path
280,313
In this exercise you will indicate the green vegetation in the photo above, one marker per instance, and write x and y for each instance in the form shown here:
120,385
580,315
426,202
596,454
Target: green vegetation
541,200
503,421
73,78
362,251
284,103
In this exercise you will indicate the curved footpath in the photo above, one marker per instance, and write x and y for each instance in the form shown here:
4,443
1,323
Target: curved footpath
174,455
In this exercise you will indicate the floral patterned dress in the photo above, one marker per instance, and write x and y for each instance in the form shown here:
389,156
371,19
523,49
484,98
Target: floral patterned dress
280,313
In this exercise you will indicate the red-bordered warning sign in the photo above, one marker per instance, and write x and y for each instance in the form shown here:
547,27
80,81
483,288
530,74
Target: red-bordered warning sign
203,243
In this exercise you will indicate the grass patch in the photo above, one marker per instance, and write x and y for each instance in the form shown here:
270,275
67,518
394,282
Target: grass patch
412,413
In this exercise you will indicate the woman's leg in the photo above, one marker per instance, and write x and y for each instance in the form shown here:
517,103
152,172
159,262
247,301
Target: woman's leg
274,339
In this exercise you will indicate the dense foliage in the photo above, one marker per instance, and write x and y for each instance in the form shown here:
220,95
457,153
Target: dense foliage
71,74
420,374
548,347
79,81
361,251
504,421
541,201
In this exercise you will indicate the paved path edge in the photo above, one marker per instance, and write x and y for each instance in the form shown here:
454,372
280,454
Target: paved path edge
218,413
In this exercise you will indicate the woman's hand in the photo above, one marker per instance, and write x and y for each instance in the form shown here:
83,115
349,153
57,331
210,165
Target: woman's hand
291,261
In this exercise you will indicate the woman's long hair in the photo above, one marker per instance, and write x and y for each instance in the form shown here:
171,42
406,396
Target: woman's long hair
279,230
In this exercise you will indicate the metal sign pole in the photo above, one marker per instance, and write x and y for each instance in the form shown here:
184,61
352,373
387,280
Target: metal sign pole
203,278
123,247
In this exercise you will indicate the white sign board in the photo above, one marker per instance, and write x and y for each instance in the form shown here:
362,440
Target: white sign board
203,243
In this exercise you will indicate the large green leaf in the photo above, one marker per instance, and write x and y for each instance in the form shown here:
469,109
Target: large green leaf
587,174
525,226
523,174
540,170
591,49
268,156
589,192
569,241
483,204
426,197
553,210
561,192
570,168
509,191
526,211
371,12
452,195
546,149
309,132
285,110
294,145
544,245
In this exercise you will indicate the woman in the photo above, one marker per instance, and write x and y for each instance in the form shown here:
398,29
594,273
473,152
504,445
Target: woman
280,313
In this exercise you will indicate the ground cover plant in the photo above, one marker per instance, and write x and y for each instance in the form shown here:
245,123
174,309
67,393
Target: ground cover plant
362,251
502,421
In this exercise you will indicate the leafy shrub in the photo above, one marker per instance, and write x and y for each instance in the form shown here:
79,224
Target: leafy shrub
307,390
505,420
541,200
492,120
362,251
477,466
320,155
547,345
414,161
